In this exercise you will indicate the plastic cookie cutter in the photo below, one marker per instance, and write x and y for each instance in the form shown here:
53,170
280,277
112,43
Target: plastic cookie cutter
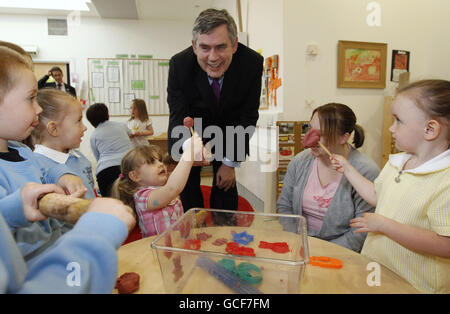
234,248
278,247
242,238
226,276
192,244
248,272
326,262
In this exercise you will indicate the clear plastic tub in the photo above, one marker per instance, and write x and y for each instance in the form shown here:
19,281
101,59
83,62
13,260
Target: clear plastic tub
194,257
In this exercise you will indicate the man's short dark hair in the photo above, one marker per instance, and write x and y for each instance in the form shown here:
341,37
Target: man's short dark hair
97,113
209,19
56,69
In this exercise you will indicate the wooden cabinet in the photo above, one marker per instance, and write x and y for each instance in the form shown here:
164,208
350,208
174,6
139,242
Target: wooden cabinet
290,135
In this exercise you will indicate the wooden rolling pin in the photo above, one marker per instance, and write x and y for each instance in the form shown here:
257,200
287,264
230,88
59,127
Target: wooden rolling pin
63,207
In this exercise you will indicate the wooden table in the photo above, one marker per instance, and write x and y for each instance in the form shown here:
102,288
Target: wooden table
159,140
351,278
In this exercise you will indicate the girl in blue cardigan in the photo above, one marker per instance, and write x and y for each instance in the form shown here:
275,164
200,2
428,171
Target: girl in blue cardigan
59,135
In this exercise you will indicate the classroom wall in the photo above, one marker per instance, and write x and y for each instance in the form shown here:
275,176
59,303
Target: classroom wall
413,25
98,38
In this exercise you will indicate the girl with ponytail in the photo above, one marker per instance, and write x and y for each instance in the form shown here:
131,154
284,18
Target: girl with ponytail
312,187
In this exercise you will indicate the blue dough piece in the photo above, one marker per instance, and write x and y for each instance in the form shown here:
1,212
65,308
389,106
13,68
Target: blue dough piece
242,238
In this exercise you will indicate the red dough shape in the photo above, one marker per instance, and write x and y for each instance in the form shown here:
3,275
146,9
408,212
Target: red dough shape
311,138
127,283
178,269
185,229
277,247
168,242
219,242
193,244
188,122
203,236
235,249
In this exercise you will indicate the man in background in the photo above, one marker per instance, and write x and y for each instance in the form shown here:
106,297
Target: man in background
57,74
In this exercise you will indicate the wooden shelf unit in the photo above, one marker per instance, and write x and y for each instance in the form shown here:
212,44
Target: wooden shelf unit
290,135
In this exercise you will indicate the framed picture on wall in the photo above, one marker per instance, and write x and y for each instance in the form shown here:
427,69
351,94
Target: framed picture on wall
400,64
361,64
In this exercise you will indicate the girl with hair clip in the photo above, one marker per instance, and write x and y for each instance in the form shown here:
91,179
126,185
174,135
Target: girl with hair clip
410,229
312,188
139,123
144,184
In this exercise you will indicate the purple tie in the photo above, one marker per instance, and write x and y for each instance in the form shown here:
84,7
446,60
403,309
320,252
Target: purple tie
216,88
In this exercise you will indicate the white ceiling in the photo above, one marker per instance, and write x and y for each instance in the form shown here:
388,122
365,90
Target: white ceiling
134,9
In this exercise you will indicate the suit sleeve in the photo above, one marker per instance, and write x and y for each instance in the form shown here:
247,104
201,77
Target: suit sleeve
42,81
178,104
250,114
73,91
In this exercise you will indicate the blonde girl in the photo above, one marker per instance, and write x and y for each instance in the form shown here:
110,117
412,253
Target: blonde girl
139,123
410,229
59,135
144,185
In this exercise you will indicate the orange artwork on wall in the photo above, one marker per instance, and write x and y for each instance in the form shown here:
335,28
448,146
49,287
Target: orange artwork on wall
361,64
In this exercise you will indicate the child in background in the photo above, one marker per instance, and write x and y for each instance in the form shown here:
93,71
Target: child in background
144,185
19,112
169,163
139,123
109,142
410,229
59,132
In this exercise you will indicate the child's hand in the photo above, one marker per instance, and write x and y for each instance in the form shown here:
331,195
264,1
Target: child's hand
339,163
194,146
72,185
116,208
369,222
30,193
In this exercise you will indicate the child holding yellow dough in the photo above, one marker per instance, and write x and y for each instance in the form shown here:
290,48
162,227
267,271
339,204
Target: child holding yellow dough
410,229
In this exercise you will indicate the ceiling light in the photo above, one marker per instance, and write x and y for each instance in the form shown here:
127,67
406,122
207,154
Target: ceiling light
68,5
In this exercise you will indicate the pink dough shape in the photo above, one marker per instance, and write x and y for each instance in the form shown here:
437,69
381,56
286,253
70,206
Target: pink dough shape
188,122
311,138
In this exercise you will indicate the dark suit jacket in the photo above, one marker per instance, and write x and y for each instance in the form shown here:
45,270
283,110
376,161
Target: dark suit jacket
42,83
189,94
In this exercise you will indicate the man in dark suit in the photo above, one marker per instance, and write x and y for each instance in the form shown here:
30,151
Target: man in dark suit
57,74
217,80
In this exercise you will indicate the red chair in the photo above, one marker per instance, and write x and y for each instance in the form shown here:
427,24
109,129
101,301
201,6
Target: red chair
243,206
134,235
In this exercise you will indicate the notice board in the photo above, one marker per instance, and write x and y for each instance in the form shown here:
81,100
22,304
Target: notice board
117,81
